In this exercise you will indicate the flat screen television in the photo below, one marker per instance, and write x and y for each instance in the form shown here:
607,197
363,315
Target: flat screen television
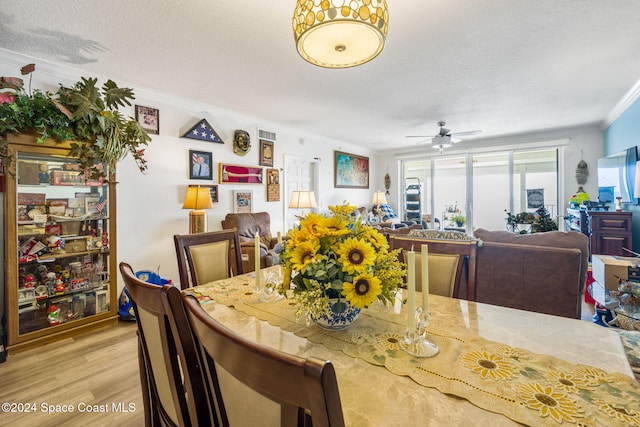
616,175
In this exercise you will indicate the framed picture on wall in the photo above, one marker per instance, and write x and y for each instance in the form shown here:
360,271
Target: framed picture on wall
242,201
350,170
266,152
149,119
239,174
213,189
200,165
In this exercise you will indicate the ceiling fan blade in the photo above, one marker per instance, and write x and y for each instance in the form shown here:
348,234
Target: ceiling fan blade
418,136
467,133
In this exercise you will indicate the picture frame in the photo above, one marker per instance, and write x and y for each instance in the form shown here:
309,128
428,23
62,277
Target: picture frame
239,174
273,185
350,170
242,201
213,190
200,165
266,153
149,119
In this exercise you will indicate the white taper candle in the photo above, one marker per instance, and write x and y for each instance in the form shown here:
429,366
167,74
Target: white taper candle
411,287
257,259
425,277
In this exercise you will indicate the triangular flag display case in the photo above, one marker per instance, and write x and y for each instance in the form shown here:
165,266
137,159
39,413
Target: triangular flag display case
203,131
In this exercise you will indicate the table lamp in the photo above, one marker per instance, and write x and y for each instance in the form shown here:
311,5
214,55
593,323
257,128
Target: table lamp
198,198
302,200
379,199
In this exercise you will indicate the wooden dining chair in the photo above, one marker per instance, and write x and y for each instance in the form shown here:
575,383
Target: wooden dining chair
170,373
251,384
447,259
205,257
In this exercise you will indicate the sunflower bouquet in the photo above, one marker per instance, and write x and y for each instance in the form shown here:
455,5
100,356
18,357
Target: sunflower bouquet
338,256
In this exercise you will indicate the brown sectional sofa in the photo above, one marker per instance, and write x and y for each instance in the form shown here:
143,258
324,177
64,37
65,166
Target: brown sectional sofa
542,272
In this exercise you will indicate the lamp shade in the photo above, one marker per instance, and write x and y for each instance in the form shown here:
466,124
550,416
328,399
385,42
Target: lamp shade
197,198
340,34
302,200
379,198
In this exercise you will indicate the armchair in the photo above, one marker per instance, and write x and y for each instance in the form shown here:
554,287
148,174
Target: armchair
248,224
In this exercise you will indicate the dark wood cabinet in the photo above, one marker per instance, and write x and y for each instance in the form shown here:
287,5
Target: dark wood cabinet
610,232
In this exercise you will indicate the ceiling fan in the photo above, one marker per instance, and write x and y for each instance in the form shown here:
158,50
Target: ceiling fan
444,138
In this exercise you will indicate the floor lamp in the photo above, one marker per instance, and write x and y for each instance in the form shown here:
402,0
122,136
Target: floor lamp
197,199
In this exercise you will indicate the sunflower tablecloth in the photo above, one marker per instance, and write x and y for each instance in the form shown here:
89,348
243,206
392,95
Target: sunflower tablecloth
534,389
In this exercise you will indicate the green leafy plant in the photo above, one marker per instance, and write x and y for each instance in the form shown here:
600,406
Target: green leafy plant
84,115
540,221
459,219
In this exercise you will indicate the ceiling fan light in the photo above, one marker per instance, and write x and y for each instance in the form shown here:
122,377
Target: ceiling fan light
441,141
338,34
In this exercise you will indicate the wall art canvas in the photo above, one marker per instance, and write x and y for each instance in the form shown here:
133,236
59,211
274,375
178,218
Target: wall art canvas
350,170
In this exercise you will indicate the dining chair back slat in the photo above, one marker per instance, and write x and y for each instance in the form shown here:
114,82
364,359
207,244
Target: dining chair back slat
449,260
205,257
251,384
170,373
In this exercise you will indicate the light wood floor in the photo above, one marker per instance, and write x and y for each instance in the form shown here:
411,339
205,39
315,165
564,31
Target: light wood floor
96,368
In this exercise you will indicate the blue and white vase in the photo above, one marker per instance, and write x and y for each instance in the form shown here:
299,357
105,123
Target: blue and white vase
342,315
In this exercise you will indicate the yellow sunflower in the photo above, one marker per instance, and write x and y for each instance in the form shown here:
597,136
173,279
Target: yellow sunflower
376,238
333,226
592,377
566,381
488,365
355,255
312,222
303,255
389,341
550,403
363,291
619,412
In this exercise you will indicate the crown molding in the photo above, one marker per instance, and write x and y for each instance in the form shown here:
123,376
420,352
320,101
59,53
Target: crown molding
629,98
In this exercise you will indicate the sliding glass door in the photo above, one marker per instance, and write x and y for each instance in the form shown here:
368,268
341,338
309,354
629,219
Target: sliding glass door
513,181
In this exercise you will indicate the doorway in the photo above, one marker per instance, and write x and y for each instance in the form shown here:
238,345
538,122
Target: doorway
300,174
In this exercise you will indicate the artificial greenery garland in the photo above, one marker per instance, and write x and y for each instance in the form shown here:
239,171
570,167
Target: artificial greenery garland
84,115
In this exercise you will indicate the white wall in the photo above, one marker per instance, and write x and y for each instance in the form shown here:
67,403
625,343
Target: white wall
150,205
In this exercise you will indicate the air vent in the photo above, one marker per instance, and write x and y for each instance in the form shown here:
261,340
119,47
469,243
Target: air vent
265,134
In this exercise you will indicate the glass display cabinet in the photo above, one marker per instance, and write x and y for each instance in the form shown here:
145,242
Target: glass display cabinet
60,261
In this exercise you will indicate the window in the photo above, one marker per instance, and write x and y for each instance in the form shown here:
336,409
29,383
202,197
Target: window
515,181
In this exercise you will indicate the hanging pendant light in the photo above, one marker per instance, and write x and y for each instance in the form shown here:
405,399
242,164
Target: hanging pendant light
340,33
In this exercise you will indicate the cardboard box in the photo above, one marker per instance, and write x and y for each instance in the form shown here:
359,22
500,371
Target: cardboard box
607,269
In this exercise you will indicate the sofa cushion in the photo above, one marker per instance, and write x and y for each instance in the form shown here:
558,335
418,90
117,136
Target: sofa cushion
557,239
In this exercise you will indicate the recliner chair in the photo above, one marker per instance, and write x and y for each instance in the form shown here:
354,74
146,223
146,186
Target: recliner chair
248,224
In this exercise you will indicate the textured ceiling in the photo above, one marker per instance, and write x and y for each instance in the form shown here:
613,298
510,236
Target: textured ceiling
503,66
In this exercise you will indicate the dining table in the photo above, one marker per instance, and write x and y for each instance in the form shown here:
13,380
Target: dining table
496,366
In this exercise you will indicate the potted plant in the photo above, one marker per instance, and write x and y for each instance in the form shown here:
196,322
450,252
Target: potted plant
83,115
459,219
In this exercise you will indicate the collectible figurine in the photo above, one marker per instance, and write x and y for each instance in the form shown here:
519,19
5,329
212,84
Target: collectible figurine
53,315
43,175
51,284
59,289
29,281
105,239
